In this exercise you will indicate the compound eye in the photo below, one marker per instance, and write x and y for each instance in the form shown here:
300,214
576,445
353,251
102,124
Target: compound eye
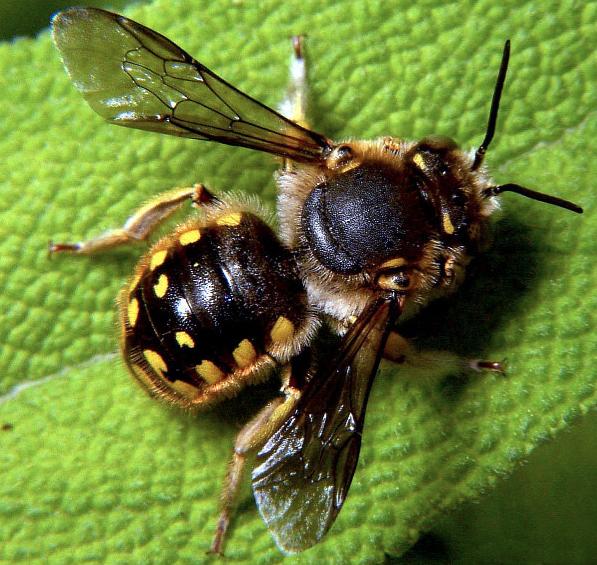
431,155
430,164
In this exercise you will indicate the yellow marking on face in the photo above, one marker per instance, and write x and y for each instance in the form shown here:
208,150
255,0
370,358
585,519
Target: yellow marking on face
157,259
283,329
447,223
244,354
183,338
232,219
189,237
419,161
134,283
133,311
185,389
210,372
155,361
393,263
161,286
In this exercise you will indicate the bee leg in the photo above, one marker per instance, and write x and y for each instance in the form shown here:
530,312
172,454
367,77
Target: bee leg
251,438
141,223
434,362
294,105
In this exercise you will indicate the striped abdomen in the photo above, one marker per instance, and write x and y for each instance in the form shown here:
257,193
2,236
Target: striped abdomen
212,307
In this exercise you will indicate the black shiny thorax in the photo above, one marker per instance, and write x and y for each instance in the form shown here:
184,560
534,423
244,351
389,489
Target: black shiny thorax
363,216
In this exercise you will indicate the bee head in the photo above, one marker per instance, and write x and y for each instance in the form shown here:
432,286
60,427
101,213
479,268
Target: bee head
398,215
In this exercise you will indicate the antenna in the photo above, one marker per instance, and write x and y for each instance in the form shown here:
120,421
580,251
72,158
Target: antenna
548,199
495,105
480,153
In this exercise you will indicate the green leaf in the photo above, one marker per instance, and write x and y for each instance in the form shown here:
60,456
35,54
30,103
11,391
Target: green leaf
28,17
92,470
544,513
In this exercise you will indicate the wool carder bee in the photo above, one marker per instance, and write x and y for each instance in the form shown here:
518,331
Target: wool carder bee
368,231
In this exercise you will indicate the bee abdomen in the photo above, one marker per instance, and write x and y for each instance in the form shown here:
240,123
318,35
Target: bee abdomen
213,307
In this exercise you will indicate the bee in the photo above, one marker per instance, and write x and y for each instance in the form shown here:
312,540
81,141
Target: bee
369,231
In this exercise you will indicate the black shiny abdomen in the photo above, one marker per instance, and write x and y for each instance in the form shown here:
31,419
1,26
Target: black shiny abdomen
203,293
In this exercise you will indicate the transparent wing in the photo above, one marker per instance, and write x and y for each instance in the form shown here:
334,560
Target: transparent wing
303,473
135,77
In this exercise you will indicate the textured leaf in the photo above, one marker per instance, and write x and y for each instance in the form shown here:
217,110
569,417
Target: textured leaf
94,471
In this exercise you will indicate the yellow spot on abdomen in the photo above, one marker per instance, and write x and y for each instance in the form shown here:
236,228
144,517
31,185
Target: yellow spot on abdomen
244,354
183,388
157,259
133,311
283,329
189,237
161,286
210,372
155,361
183,338
232,219
447,224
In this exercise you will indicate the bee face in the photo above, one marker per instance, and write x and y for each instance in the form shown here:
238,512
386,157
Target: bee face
451,188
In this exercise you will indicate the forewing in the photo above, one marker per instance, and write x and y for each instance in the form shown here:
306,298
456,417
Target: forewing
303,472
135,77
